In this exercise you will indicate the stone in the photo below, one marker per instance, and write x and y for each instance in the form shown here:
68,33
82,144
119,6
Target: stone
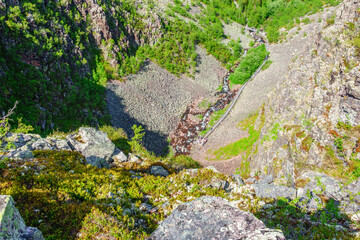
159,171
12,225
355,217
313,203
62,144
95,145
237,178
18,154
321,183
41,144
221,184
212,218
267,179
119,156
212,168
27,154
145,207
133,158
274,191
251,180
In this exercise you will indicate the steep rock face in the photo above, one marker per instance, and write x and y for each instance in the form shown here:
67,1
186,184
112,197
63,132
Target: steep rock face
106,26
12,225
310,117
56,49
212,218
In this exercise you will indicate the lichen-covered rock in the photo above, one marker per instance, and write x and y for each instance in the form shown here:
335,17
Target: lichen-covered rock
274,191
95,145
59,144
12,225
18,154
212,218
42,144
159,171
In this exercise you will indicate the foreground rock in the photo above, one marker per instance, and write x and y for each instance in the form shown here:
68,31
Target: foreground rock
212,218
96,147
12,225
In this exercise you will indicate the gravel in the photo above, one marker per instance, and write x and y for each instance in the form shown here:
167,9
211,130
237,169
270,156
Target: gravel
156,99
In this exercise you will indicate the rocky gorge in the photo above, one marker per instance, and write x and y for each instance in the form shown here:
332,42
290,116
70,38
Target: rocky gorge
297,157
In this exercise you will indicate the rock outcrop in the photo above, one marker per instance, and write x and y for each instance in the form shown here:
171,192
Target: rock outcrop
12,225
212,218
96,147
311,117
94,144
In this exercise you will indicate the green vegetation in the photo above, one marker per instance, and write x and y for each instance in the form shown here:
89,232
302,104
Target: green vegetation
118,136
273,15
248,65
214,118
291,219
244,147
106,203
267,65
58,183
273,133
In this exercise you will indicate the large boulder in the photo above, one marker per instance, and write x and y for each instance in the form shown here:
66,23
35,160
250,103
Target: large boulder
212,218
12,225
95,145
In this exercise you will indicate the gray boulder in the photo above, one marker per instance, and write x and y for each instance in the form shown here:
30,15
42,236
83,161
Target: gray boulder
12,225
42,144
266,179
59,144
18,154
20,139
119,157
324,184
159,171
212,218
220,184
274,191
95,145
237,178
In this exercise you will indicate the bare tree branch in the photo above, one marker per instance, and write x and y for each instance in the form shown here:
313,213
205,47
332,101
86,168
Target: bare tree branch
4,121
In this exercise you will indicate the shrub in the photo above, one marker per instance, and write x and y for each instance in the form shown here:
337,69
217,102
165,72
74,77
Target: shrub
248,65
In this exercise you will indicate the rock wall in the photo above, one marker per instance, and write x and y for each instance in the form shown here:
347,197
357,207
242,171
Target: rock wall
310,118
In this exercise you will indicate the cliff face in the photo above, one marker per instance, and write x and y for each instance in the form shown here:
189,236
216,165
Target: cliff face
311,118
53,51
